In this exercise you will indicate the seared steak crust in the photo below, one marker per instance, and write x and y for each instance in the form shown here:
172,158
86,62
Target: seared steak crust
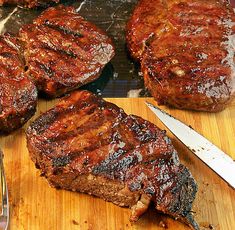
89,145
18,95
63,51
28,3
186,51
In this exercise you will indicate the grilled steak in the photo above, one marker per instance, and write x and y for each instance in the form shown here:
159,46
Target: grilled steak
28,3
18,95
63,51
88,145
186,51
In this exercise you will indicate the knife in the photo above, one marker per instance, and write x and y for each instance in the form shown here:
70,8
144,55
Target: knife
211,155
4,214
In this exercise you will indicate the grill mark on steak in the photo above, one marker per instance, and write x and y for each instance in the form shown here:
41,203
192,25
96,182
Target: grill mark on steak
18,95
61,161
74,49
81,131
60,51
45,68
63,29
116,168
186,52
53,41
88,145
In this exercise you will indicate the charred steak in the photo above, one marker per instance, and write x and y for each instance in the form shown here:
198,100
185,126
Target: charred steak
89,145
63,51
28,3
186,51
18,95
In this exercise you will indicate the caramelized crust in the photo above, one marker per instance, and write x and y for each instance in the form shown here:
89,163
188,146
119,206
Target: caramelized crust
18,95
147,18
63,51
186,51
89,145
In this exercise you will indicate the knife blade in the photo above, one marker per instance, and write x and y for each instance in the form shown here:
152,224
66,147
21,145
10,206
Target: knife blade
4,214
211,155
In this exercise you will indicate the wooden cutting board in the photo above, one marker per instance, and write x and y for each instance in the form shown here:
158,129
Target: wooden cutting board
35,205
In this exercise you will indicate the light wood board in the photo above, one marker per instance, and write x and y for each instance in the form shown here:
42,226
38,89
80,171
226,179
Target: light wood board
35,205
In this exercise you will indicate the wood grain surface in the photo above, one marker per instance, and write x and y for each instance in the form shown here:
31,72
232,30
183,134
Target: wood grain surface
35,205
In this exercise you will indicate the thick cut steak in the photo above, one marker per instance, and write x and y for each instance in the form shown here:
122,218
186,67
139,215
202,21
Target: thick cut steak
28,3
63,51
88,145
18,95
186,50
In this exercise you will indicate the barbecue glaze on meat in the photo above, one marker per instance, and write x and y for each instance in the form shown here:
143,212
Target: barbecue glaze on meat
28,3
18,95
88,145
63,51
186,50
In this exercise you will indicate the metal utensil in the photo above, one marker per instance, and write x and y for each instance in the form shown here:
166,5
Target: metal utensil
211,155
4,216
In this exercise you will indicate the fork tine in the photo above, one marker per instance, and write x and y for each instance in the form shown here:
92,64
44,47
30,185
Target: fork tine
4,218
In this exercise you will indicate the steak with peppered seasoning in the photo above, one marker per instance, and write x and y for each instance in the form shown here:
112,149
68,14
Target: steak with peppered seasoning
18,95
28,3
63,51
86,144
186,51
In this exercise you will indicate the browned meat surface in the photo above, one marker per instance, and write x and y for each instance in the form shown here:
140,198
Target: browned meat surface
18,95
63,51
186,49
88,145
28,3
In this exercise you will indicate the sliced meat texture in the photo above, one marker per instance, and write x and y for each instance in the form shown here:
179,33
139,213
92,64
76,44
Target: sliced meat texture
86,144
63,51
186,50
18,95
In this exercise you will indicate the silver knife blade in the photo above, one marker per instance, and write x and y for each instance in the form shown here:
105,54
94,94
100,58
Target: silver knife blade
215,158
4,215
